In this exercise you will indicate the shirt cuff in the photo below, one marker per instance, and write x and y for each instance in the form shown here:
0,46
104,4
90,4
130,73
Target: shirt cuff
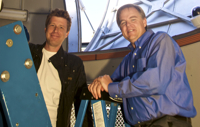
113,90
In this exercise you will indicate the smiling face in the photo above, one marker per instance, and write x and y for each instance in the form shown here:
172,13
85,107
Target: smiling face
56,32
132,24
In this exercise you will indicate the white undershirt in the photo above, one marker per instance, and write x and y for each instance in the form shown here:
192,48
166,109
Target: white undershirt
50,85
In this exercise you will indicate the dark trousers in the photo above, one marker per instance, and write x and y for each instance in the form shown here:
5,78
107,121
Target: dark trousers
167,121
3,122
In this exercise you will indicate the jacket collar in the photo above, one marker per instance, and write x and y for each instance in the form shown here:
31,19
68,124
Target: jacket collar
59,56
38,49
58,59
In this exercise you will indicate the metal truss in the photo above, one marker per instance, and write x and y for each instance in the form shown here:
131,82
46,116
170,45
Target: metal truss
155,7
159,6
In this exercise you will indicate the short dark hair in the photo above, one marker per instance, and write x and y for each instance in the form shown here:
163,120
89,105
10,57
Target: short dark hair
59,13
138,8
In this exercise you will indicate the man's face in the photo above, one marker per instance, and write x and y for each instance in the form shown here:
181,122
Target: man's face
56,32
132,24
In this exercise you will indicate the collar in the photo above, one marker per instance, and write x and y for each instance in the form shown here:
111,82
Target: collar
59,56
58,59
59,53
38,49
139,43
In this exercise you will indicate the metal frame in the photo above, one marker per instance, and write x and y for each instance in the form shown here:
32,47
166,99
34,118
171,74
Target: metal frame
98,33
74,37
159,6
97,44
98,106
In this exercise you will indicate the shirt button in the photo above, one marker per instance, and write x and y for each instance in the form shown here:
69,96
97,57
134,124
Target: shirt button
133,66
135,54
140,47
116,96
131,108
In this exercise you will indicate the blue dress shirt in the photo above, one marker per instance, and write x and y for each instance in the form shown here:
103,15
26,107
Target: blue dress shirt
152,81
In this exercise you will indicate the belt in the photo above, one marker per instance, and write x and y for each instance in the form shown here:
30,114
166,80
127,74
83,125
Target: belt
144,124
187,119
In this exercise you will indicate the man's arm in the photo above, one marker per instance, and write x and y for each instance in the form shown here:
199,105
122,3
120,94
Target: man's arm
99,84
154,78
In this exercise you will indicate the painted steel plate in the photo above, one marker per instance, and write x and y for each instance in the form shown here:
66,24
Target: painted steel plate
21,98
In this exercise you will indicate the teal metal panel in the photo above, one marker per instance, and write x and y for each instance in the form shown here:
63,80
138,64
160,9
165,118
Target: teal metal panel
81,113
21,97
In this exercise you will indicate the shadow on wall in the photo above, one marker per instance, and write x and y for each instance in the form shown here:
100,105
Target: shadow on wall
35,25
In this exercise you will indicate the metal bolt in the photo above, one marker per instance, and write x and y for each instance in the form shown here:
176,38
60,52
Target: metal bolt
28,63
17,29
5,76
17,124
9,43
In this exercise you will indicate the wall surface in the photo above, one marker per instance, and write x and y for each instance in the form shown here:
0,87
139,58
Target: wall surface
192,56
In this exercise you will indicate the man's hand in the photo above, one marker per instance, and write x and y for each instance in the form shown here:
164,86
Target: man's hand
105,81
95,88
99,84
